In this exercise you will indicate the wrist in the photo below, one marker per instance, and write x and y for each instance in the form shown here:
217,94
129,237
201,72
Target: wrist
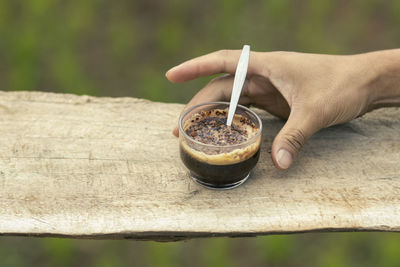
382,73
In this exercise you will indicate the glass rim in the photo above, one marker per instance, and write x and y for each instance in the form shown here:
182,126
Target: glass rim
181,131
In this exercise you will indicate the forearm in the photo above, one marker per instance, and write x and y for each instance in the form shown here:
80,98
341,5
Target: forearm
384,85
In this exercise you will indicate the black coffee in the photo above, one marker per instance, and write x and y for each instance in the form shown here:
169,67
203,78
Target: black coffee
219,175
218,155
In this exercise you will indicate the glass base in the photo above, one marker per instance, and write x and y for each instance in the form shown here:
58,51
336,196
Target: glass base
219,186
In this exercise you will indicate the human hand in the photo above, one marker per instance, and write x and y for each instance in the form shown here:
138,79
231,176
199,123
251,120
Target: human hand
311,91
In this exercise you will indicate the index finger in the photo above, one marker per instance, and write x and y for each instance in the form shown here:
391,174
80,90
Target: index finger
222,61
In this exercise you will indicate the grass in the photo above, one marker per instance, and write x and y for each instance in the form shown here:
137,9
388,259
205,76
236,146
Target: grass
317,249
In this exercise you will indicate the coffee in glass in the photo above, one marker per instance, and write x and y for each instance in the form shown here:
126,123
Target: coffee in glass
219,156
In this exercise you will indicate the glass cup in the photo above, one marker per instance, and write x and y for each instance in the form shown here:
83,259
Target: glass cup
219,166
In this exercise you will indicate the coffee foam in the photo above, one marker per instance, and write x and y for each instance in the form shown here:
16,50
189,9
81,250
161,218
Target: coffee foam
220,154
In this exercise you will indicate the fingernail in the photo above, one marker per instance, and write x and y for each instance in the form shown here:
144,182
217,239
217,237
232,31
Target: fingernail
284,158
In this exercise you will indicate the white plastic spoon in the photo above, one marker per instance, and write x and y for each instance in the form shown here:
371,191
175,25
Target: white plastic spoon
240,77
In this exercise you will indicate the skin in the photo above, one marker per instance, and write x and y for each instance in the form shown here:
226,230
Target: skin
311,91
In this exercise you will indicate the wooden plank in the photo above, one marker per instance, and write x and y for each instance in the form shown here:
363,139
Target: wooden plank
80,166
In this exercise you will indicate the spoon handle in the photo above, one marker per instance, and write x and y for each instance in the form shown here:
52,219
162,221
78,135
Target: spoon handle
240,77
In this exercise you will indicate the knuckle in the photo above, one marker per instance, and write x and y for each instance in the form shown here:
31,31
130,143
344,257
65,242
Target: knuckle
213,81
295,138
223,77
223,55
223,52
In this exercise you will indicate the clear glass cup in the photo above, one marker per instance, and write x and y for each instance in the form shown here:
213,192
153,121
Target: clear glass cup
219,166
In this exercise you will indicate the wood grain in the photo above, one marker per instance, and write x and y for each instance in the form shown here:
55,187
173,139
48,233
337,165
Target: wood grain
80,166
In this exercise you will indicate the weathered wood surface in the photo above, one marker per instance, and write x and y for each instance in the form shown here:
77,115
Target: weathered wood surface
81,166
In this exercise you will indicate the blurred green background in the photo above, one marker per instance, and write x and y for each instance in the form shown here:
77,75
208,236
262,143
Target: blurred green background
123,48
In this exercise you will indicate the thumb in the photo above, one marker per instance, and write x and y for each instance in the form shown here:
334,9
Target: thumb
292,137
